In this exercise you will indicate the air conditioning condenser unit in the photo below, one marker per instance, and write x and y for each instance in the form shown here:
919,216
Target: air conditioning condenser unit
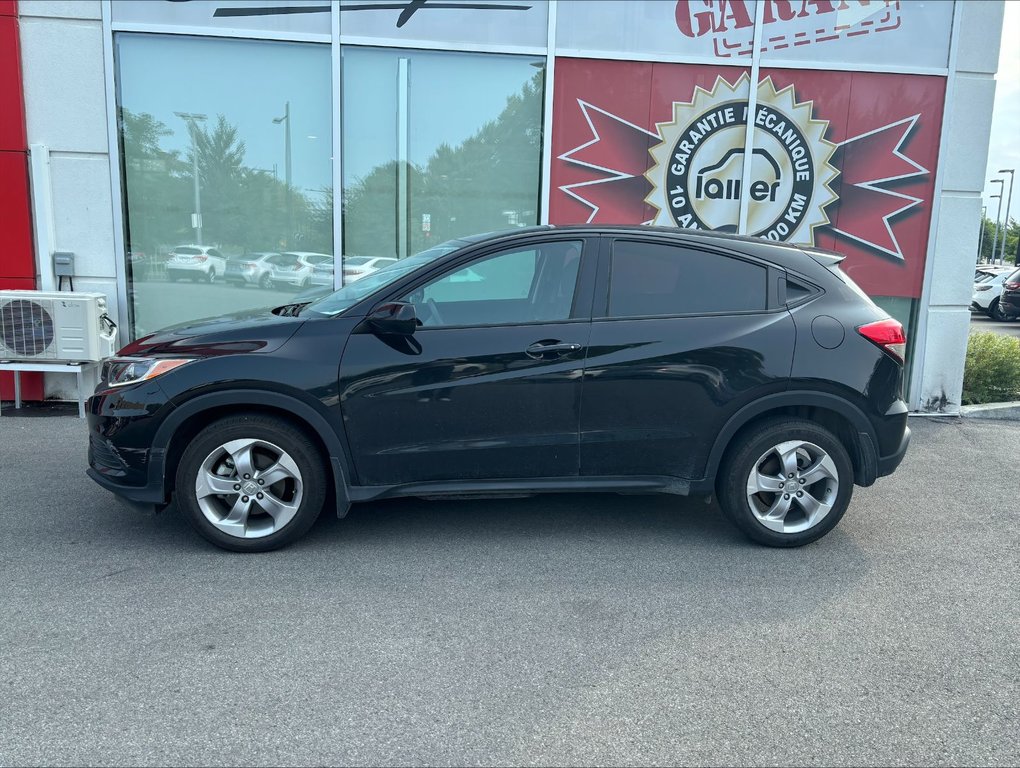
55,326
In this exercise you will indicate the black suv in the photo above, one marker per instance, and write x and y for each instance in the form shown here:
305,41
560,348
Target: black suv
629,359
1009,301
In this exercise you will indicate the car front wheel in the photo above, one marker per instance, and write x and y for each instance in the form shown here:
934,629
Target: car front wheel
786,482
251,483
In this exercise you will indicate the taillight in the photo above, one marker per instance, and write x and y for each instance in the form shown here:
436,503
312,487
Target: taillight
201,258
1012,286
887,334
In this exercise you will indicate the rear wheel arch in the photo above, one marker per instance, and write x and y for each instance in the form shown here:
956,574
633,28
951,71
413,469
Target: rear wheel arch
190,417
841,417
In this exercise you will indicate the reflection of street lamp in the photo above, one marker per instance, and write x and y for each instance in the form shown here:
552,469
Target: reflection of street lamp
286,173
1005,225
981,237
191,118
995,240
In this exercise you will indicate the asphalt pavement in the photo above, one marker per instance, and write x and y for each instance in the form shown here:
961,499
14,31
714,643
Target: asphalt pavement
553,630
981,322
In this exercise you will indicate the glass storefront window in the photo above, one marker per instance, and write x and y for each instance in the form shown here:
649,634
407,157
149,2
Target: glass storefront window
226,159
436,146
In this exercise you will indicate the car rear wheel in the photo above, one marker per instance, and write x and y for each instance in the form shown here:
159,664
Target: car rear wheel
210,275
786,482
251,483
266,282
995,311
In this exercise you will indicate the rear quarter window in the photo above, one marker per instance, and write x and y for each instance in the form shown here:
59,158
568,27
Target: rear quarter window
654,279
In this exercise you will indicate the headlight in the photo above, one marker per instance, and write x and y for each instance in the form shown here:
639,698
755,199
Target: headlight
119,371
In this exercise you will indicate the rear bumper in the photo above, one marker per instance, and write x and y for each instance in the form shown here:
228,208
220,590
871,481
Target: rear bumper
1010,303
888,464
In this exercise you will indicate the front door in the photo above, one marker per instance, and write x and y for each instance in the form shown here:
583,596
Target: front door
489,386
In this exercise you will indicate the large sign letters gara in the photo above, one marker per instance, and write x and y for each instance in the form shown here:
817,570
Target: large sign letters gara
839,160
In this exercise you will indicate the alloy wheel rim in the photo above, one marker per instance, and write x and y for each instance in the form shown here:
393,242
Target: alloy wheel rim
792,487
249,488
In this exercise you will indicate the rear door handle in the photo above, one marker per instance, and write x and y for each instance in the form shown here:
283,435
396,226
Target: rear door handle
543,348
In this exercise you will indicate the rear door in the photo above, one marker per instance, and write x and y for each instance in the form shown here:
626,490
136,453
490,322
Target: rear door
681,338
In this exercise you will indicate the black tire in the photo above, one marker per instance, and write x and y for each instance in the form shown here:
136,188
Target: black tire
210,275
266,282
744,453
995,311
304,452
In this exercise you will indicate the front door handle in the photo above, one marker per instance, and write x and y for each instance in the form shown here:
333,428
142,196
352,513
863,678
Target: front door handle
542,348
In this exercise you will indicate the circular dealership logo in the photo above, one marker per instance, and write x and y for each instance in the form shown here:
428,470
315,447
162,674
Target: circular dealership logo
698,176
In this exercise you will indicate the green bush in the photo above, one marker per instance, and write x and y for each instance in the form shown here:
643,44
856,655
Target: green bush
992,370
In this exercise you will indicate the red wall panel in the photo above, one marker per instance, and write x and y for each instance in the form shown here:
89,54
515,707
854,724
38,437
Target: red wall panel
12,112
17,265
16,258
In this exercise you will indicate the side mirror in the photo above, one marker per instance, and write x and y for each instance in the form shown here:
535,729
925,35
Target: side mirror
397,318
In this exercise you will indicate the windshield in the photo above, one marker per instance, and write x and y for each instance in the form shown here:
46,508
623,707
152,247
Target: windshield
351,294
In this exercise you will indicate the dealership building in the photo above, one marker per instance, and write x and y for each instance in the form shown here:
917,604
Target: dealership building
131,130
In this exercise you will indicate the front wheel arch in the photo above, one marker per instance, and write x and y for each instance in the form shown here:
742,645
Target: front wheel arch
188,419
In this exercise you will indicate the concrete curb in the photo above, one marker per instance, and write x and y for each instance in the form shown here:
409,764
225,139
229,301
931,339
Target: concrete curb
998,411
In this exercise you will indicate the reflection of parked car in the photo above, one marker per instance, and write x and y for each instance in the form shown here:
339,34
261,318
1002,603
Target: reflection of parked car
198,262
137,263
750,370
322,274
984,270
251,269
294,268
356,267
987,290
1009,300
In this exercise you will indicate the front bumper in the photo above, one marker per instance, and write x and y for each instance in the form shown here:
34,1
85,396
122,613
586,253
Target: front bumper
122,423
143,500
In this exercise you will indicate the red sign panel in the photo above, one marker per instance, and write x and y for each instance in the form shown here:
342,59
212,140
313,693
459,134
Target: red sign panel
841,160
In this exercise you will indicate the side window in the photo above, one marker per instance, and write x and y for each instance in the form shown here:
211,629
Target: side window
658,279
526,285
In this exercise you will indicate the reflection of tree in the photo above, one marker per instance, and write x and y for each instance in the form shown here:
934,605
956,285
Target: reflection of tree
243,208
155,183
488,181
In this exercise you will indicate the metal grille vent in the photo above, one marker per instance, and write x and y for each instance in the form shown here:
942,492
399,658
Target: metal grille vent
26,328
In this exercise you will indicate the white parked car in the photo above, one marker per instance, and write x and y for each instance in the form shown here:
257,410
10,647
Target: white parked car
984,270
196,262
294,268
322,275
987,290
357,267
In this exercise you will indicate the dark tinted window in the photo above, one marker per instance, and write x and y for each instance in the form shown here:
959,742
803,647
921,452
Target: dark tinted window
796,291
655,279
